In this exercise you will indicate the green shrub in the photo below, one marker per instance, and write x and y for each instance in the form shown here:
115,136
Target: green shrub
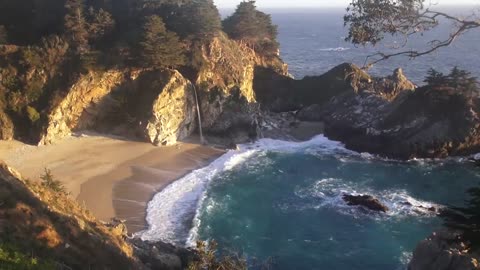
12,259
32,114
208,259
48,181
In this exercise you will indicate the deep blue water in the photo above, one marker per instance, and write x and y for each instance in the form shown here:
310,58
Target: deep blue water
312,42
281,201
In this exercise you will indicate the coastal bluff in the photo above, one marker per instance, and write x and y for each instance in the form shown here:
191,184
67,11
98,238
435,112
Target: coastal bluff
64,235
390,116
152,105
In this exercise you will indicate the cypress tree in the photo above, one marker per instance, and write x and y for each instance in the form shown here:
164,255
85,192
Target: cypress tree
75,25
160,48
252,27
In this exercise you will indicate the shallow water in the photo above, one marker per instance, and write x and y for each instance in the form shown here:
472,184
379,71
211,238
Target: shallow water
281,202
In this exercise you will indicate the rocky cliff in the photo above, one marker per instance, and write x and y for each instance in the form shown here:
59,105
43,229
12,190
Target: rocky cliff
158,106
443,251
428,122
6,127
387,116
43,222
225,82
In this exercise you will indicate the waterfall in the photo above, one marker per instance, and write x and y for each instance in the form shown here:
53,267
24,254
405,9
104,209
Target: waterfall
202,140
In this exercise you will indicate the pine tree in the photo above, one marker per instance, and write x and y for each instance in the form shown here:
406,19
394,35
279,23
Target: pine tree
75,25
467,219
197,19
435,78
100,23
252,27
159,47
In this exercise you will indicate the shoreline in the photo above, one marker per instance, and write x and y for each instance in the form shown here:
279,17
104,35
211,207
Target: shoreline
111,176
115,177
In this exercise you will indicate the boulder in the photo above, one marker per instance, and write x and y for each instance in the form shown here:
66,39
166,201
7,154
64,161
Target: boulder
366,201
443,251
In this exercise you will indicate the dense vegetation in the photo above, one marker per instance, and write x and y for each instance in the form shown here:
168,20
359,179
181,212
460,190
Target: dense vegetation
252,27
51,42
467,219
458,79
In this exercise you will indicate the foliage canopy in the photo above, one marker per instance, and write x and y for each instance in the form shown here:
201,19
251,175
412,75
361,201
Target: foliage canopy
253,27
159,47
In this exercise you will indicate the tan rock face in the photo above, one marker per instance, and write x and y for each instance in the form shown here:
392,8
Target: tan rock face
158,106
78,109
173,112
6,127
439,252
227,76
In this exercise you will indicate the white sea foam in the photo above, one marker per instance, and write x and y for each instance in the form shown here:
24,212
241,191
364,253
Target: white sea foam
170,212
337,49
330,191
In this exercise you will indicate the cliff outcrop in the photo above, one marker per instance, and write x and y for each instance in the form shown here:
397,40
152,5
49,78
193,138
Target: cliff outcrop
229,104
388,116
6,127
428,122
443,251
156,106
37,218
42,221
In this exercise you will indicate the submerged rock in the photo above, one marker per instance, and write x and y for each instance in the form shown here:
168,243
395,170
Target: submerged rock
366,201
443,251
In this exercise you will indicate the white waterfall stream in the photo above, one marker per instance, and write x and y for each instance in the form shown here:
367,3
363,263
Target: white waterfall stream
202,140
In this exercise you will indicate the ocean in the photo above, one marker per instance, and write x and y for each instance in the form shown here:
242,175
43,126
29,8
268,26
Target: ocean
313,41
280,203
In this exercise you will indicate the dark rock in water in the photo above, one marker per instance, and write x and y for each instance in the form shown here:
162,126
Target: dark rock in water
366,201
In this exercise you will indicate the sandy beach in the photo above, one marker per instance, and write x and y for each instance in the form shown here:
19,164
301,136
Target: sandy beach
111,176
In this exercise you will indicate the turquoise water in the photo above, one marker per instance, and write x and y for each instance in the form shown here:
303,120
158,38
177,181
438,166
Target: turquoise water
281,202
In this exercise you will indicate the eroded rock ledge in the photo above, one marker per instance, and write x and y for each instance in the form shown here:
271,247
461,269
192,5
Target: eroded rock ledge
443,251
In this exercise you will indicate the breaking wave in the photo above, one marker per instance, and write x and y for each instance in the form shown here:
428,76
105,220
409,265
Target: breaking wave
173,213
337,49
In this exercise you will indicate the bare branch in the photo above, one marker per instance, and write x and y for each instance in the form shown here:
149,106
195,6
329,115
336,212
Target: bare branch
431,17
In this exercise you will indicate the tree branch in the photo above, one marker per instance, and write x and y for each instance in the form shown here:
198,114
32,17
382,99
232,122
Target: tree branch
431,18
